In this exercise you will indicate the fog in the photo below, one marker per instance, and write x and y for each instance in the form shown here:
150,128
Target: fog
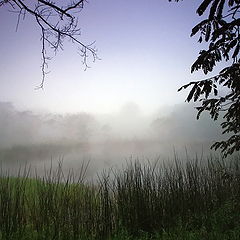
42,140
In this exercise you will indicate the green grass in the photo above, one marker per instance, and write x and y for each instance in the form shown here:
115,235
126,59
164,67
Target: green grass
183,200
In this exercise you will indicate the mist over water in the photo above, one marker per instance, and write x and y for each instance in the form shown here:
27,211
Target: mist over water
42,140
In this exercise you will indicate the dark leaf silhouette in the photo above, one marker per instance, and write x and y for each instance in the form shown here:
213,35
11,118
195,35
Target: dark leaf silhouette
222,32
236,51
220,9
203,6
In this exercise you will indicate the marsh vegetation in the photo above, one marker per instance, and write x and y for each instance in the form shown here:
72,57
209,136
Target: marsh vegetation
192,199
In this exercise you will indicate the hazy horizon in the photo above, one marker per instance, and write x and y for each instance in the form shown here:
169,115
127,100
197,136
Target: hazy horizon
125,104
106,140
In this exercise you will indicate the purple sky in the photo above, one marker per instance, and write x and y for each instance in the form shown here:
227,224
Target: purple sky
145,52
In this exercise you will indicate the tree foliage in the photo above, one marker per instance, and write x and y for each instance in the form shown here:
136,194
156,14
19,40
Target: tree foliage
57,21
221,30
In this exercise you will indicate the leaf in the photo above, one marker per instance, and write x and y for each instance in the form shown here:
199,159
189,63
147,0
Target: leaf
197,94
200,110
207,88
232,44
230,3
198,27
213,9
208,32
201,9
236,51
190,95
220,9
218,55
186,86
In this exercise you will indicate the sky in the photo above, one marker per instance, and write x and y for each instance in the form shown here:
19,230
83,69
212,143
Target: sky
145,50
126,104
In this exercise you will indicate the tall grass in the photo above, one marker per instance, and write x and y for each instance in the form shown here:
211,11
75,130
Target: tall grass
141,197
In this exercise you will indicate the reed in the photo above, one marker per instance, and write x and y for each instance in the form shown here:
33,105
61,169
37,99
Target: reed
139,199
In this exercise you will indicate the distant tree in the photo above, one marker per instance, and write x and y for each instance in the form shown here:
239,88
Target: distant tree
221,30
57,21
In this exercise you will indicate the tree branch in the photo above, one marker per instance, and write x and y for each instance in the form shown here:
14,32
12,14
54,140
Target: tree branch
54,27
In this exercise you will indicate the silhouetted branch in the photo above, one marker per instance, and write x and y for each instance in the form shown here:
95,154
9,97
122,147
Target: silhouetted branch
221,29
56,23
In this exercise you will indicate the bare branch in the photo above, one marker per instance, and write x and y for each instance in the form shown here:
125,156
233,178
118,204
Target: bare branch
56,23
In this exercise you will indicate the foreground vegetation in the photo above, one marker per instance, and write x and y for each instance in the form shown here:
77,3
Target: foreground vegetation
183,200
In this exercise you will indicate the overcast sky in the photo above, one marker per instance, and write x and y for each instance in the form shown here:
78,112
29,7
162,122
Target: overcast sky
145,50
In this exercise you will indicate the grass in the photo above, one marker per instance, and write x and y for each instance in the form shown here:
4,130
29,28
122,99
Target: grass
182,200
